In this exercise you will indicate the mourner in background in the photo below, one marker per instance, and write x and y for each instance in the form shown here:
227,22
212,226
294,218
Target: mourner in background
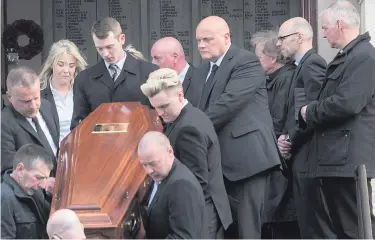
234,97
28,119
62,65
115,78
24,209
176,206
168,53
295,41
279,75
343,124
194,141
282,221
65,224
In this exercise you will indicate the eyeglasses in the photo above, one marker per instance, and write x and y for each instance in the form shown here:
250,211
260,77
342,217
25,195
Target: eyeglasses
282,38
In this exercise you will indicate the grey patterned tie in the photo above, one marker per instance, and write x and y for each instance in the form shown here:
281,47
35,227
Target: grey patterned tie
113,67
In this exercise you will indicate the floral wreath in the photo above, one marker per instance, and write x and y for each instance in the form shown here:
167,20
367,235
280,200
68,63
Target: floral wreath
28,28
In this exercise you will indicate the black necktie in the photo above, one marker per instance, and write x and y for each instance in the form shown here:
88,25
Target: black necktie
41,134
114,69
207,88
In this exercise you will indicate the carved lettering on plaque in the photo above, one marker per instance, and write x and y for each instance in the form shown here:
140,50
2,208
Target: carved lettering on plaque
171,18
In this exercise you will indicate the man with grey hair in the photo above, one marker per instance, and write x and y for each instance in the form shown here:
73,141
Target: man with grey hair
168,53
115,78
342,122
24,209
175,208
28,119
279,75
282,220
295,41
65,224
194,141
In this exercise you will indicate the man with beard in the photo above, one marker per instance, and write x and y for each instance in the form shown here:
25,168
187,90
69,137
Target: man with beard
295,41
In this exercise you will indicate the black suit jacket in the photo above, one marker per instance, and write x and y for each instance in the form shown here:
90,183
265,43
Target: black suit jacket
278,85
196,145
177,209
189,88
47,94
94,86
307,81
16,131
238,107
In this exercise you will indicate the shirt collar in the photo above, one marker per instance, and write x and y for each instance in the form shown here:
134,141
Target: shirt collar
220,59
119,64
183,72
299,59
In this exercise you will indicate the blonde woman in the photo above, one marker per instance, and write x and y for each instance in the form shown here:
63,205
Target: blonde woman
62,65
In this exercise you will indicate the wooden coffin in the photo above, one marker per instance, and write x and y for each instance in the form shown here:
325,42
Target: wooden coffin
99,175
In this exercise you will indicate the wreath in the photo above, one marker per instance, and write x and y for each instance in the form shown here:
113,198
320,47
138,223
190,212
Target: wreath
28,28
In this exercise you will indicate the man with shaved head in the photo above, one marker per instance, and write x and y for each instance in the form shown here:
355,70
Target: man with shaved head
176,205
168,53
65,224
295,39
234,97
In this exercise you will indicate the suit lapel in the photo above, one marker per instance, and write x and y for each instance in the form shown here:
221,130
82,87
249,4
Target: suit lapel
49,97
221,72
100,72
171,126
187,79
298,69
22,121
130,67
161,188
49,119
156,196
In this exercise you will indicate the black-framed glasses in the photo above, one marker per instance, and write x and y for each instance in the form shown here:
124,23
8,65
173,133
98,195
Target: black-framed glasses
282,38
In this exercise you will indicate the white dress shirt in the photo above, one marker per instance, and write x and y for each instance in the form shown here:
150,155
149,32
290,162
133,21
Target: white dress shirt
64,106
183,73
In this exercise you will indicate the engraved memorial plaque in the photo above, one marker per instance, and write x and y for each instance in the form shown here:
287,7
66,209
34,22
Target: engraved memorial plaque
127,13
231,11
73,20
171,18
263,15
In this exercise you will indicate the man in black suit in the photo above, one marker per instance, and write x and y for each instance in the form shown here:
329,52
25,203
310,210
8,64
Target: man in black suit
295,41
175,208
342,121
194,142
28,119
234,97
116,78
168,53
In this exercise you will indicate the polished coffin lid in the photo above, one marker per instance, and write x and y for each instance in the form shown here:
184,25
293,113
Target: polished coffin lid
98,171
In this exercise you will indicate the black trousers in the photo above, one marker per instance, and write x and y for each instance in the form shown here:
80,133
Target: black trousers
327,207
247,200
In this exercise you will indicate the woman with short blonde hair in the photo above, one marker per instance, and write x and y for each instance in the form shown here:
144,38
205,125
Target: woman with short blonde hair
59,70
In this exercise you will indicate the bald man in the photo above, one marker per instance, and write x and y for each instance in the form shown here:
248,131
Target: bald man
176,205
295,40
234,97
168,53
65,224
